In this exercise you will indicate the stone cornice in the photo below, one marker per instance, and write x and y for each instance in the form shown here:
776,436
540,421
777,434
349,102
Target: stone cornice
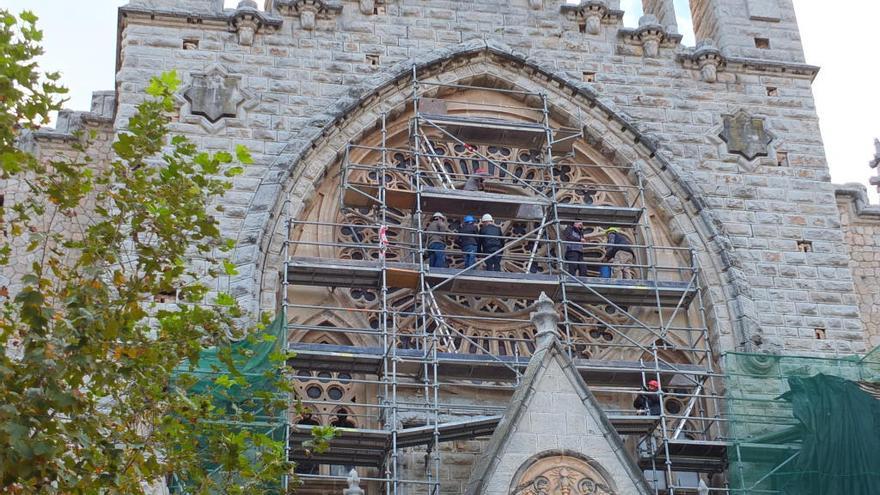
294,7
857,194
587,8
650,35
222,19
793,68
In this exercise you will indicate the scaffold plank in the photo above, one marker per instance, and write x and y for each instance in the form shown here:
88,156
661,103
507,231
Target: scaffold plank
365,195
583,290
633,424
457,202
605,215
705,456
463,366
372,445
484,130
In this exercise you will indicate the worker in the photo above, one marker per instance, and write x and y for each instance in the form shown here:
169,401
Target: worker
619,253
491,240
574,238
649,402
468,241
574,249
342,421
307,467
437,231
476,182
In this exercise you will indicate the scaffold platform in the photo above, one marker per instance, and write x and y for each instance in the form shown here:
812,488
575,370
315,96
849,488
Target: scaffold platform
583,290
368,447
456,202
369,360
703,456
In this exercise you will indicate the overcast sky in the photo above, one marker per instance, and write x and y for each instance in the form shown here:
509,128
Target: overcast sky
81,43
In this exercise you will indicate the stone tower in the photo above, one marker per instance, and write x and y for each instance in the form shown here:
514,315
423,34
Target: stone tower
713,150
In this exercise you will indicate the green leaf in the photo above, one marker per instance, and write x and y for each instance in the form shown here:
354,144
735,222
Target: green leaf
229,268
223,157
224,299
28,17
243,154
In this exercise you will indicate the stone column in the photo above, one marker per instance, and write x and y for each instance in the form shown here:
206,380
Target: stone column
664,11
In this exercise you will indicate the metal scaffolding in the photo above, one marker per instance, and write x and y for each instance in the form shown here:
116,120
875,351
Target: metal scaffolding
419,354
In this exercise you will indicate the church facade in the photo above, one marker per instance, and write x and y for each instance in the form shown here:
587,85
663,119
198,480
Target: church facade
366,118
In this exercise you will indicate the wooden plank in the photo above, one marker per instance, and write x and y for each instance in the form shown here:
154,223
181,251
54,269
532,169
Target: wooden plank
363,195
457,203
402,278
476,130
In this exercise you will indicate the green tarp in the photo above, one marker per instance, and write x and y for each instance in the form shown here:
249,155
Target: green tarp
242,395
840,445
802,425
252,359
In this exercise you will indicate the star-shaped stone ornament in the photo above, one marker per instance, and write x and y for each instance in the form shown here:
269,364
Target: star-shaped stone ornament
214,97
745,135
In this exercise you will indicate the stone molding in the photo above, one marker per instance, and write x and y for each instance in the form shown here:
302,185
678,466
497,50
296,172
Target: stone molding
247,20
650,35
706,58
308,11
593,13
857,195
215,19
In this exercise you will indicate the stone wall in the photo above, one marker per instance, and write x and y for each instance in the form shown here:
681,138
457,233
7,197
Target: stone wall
95,127
300,72
861,224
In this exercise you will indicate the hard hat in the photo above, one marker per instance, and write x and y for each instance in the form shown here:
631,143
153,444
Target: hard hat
439,215
487,218
653,384
468,219
612,229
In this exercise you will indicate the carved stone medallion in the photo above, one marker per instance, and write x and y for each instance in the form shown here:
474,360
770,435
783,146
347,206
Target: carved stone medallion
213,97
746,135
562,475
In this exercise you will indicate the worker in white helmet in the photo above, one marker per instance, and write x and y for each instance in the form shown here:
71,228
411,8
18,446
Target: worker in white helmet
491,240
436,241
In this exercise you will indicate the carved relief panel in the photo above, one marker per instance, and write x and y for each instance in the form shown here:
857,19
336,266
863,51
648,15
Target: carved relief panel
561,475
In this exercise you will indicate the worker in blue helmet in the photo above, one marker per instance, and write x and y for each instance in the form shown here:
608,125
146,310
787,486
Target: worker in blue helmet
467,240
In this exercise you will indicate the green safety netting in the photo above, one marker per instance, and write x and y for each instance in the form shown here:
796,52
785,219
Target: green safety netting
803,425
244,403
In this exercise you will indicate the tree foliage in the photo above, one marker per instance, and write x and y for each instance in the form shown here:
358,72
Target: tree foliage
90,402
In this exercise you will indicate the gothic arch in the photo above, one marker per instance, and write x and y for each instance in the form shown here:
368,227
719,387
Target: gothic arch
671,191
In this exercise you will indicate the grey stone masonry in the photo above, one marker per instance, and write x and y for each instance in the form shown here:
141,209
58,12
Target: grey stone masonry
861,225
317,74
